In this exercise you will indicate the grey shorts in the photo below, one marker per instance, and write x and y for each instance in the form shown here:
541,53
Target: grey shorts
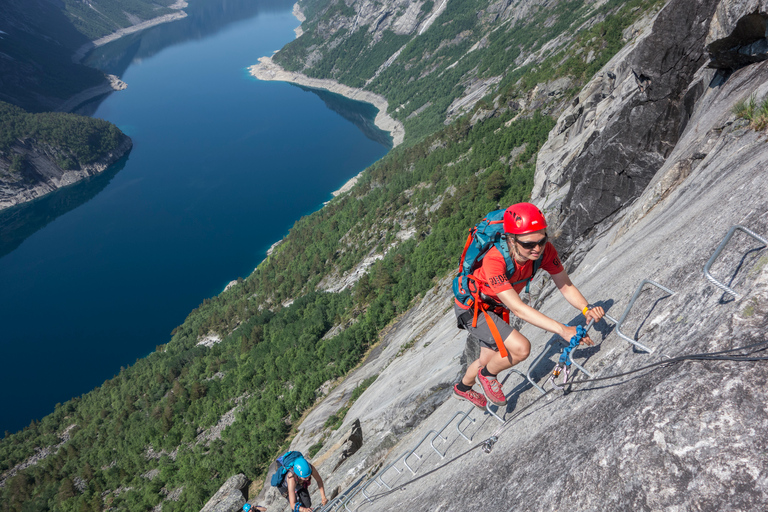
482,332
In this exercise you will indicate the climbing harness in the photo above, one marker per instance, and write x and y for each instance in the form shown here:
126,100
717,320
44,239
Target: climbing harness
488,233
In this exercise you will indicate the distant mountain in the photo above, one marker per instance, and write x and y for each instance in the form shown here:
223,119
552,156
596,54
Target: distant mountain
37,43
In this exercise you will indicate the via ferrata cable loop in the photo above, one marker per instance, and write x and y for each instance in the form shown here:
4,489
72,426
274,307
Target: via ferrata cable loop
564,364
580,333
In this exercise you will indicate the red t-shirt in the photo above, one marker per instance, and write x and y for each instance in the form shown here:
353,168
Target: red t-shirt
493,270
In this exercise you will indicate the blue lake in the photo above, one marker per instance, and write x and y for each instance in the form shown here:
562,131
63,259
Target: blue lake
97,275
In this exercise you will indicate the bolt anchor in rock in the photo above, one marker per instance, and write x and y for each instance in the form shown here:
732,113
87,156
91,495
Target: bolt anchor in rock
488,444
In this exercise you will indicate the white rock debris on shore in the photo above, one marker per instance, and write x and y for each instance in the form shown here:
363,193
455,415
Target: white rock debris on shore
268,70
299,15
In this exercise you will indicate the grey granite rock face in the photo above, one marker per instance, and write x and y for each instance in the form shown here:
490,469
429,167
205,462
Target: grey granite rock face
679,437
687,436
608,145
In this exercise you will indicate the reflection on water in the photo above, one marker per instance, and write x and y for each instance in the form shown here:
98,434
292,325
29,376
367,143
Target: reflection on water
359,113
20,222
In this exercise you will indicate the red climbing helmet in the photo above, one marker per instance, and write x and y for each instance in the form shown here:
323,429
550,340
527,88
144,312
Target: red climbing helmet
522,218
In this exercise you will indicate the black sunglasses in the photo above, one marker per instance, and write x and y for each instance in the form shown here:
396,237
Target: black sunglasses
531,245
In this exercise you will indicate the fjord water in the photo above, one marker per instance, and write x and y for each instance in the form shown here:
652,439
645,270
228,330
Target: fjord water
98,274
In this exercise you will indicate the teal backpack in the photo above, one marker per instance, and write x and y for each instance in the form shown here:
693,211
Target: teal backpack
284,463
488,233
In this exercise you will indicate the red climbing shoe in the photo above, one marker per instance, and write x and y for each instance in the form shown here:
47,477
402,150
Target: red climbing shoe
492,389
470,396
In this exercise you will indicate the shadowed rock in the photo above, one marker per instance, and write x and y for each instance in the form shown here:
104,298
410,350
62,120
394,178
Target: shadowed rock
229,497
352,443
737,36
608,145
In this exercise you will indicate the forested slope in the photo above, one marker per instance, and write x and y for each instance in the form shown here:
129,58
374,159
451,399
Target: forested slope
434,61
39,38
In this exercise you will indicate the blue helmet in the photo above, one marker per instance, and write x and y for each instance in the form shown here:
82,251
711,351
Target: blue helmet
246,507
301,468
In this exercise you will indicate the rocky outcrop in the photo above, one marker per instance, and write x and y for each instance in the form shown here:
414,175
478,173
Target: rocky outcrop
40,454
42,175
623,125
737,36
267,69
229,497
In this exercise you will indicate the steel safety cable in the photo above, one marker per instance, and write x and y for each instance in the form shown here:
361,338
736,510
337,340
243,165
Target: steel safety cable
706,356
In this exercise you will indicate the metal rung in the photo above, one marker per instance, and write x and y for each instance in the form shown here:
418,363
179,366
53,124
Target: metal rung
536,363
489,405
432,443
349,499
620,322
413,452
577,365
544,352
337,501
391,466
466,416
489,411
437,434
366,486
720,248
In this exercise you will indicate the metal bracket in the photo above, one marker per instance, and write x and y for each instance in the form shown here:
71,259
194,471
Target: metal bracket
466,416
629,307
719,249
544,352
391,466
413,452
437,434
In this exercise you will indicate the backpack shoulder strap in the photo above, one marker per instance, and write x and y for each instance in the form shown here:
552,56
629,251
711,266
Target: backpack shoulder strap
503,248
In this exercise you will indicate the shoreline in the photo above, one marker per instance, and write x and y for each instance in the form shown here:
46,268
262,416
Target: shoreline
267,70
299,15
114,36
113,84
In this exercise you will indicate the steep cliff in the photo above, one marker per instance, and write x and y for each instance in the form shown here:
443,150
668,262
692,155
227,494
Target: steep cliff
171,429
435,61
679,436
